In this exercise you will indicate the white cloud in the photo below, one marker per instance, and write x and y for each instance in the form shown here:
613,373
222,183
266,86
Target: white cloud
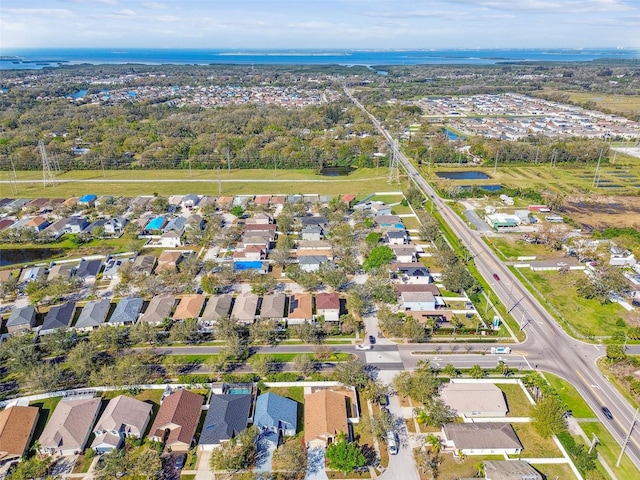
39,12
154,5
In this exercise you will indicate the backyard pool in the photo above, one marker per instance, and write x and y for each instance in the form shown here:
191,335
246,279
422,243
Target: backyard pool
239,391
248,265
155,224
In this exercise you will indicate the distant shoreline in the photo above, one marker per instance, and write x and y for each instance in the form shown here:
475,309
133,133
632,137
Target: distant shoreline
18,59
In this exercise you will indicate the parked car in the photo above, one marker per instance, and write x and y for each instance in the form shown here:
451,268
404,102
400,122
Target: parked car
607,413
372,339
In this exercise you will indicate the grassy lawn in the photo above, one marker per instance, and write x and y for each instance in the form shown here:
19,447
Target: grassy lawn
555,470
294,393
615,373
617,103
412,223
388,198
152,396
534,445
83,462
588,317
610,449
186,359
361,181
570,396
450,468
401,209
188,476
47,406
512,247
517,401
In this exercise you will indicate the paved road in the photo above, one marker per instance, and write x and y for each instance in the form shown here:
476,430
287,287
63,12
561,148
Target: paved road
548,345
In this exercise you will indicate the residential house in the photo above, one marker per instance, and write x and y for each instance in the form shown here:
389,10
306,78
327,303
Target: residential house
5,276
400,288
190,306
115,226
396,237
177,420
127,311
276,416
227,416
59,316
312,233
171,239
123,417
61,270
244,308
21,319
144,264
418,301
6,223
56,229
69,427
259,219
262,199
325,417
414,272
379,209
194,222
112,266
314,245
404,254
300,308
315,222
328,306
189,201
93,315
76,225
159,308
92,228
510,470
261,229
176,224
312,263
168,260
38,224
473,400
278,200
103,201
87,200
217,307
349,199
31,274
88,270
17,424
272,307
393,222
482,438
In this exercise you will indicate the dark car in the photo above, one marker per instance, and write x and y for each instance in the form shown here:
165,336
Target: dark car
372,339
496,277
607,413
180,461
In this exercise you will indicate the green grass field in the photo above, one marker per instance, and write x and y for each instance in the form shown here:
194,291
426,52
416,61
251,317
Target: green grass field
509,248
588,317
534,445
552,471
570,397
617,103
517,401
610,450
235,182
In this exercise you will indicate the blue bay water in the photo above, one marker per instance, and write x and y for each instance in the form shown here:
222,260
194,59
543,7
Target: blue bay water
39,58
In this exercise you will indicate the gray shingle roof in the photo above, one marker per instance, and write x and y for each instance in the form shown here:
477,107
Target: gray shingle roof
93,314
59,316
127,310
227,416
217,307
22,316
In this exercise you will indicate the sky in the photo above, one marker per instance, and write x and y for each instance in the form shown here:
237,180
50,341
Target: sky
304,24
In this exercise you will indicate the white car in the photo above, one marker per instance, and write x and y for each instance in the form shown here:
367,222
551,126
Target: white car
362,346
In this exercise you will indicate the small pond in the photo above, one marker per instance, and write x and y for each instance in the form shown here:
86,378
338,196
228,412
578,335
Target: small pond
11,256
469,175
451,135
336,171
488,188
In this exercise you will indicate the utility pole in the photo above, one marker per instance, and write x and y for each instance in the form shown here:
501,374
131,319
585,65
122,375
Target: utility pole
593,442
219,182
626,440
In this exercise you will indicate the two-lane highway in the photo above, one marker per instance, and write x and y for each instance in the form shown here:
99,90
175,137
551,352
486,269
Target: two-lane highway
556,351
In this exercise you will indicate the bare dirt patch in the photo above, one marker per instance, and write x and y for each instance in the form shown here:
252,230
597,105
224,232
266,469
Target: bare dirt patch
602,211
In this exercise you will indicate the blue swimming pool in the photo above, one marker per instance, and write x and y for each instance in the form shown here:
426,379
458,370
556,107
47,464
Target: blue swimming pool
239,391
155,224
247,265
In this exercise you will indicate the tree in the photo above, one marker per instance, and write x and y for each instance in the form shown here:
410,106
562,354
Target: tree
604,282
477,372
304,364
240,453
344,456
265,332
142,332
450,371
381,424
352,372
186,331
45,377
434,443
439,413
429,463
82,360
237,211
34,468
548,416
615,353
263,364
480,468
457,278
292,457
412,330
109,338
504,369
390,322
429,229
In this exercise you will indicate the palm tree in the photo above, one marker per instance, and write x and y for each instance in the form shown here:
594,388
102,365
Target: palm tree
477,372
422,416
479,468
450,371
434,443
503,368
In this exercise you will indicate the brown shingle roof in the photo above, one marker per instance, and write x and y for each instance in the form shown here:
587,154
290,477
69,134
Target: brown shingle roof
69,426
301,306
16,427
180,413
327,300
325,415
190,306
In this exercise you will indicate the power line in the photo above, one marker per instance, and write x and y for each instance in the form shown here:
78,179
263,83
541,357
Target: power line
394,169
48,176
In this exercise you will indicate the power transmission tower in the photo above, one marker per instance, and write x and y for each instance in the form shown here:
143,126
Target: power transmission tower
554,156
394,169
48,176
596,175
13,178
